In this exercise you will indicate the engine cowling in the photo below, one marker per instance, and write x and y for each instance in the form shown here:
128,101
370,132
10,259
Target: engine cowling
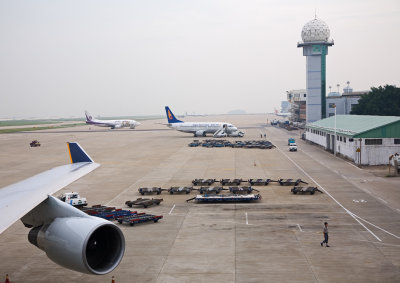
90,245
200,133
132,125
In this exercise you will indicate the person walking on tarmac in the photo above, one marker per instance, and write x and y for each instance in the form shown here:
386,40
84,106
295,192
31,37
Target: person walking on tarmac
325,235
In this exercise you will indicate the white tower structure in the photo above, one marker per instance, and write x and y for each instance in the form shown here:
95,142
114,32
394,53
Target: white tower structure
315,36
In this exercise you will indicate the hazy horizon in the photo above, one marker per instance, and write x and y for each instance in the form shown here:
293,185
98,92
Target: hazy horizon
131,58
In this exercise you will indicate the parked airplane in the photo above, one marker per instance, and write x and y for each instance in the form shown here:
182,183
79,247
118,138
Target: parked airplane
110,123
282,114
218,129
70,237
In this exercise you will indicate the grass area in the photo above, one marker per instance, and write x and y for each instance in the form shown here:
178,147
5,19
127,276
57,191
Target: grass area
16,130
26,122
11,123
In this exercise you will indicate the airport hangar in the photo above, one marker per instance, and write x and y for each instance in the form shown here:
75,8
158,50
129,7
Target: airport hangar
366,140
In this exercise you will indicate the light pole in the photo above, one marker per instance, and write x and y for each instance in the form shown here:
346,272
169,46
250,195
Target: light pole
335,139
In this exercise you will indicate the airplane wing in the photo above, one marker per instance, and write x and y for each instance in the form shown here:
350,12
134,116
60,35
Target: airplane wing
18,199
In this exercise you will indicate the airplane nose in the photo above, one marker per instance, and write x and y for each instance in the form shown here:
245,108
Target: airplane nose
137,123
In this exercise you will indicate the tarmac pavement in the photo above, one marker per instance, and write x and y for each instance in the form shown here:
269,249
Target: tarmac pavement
274,240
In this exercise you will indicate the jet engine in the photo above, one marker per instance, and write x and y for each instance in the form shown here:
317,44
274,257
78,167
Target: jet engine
200,133
132,125
86,244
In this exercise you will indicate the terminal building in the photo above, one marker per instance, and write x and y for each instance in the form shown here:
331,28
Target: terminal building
344,102
363,139
297,99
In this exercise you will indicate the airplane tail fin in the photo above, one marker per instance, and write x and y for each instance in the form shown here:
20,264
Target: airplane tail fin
77,154
88,116
170,116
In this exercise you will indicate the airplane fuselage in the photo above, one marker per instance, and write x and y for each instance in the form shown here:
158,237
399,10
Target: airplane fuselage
207,127
114,123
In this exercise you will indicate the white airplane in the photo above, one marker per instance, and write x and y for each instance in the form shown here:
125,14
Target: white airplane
70,237
110,123
282,114
218,129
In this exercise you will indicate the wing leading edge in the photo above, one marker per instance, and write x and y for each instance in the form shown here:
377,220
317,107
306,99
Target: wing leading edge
18,199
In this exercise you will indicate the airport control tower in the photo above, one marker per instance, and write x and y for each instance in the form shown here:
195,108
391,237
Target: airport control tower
315,36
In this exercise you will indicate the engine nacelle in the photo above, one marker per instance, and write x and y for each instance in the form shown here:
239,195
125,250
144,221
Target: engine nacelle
132,125
86,244
117,126
200,133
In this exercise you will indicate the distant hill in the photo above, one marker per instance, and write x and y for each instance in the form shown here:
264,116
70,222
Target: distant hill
237,112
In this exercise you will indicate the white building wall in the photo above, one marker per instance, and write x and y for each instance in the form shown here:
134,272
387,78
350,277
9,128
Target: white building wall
378,154
370,154
318,139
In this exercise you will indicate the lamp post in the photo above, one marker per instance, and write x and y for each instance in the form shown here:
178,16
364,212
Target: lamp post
335,139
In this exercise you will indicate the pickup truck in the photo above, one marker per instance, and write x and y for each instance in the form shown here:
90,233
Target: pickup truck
292,147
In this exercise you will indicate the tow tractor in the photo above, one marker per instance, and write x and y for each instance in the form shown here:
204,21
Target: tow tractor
34,143
73,199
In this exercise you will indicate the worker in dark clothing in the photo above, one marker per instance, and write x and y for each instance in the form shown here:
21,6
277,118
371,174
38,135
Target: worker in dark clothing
325,235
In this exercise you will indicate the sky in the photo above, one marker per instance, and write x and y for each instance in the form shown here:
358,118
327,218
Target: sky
114,58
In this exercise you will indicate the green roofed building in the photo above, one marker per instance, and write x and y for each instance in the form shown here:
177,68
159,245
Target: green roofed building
366,140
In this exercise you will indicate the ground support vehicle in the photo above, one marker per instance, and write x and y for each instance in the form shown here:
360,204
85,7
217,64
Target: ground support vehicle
144,201
202,182
259,182
34,143
234,182
73,199
210,190
304,190
180,190
109,213
291,140
292,147
226,198
96,209
241,190
139,218
290,182
194,144
153,190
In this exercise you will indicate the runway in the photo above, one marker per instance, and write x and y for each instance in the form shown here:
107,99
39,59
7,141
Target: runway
275,240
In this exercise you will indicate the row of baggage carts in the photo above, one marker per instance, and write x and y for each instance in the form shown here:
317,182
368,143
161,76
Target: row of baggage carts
206,187
122,216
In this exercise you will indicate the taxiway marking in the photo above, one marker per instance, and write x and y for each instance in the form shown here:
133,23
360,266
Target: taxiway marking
298,225
171,210
383,200
328,194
